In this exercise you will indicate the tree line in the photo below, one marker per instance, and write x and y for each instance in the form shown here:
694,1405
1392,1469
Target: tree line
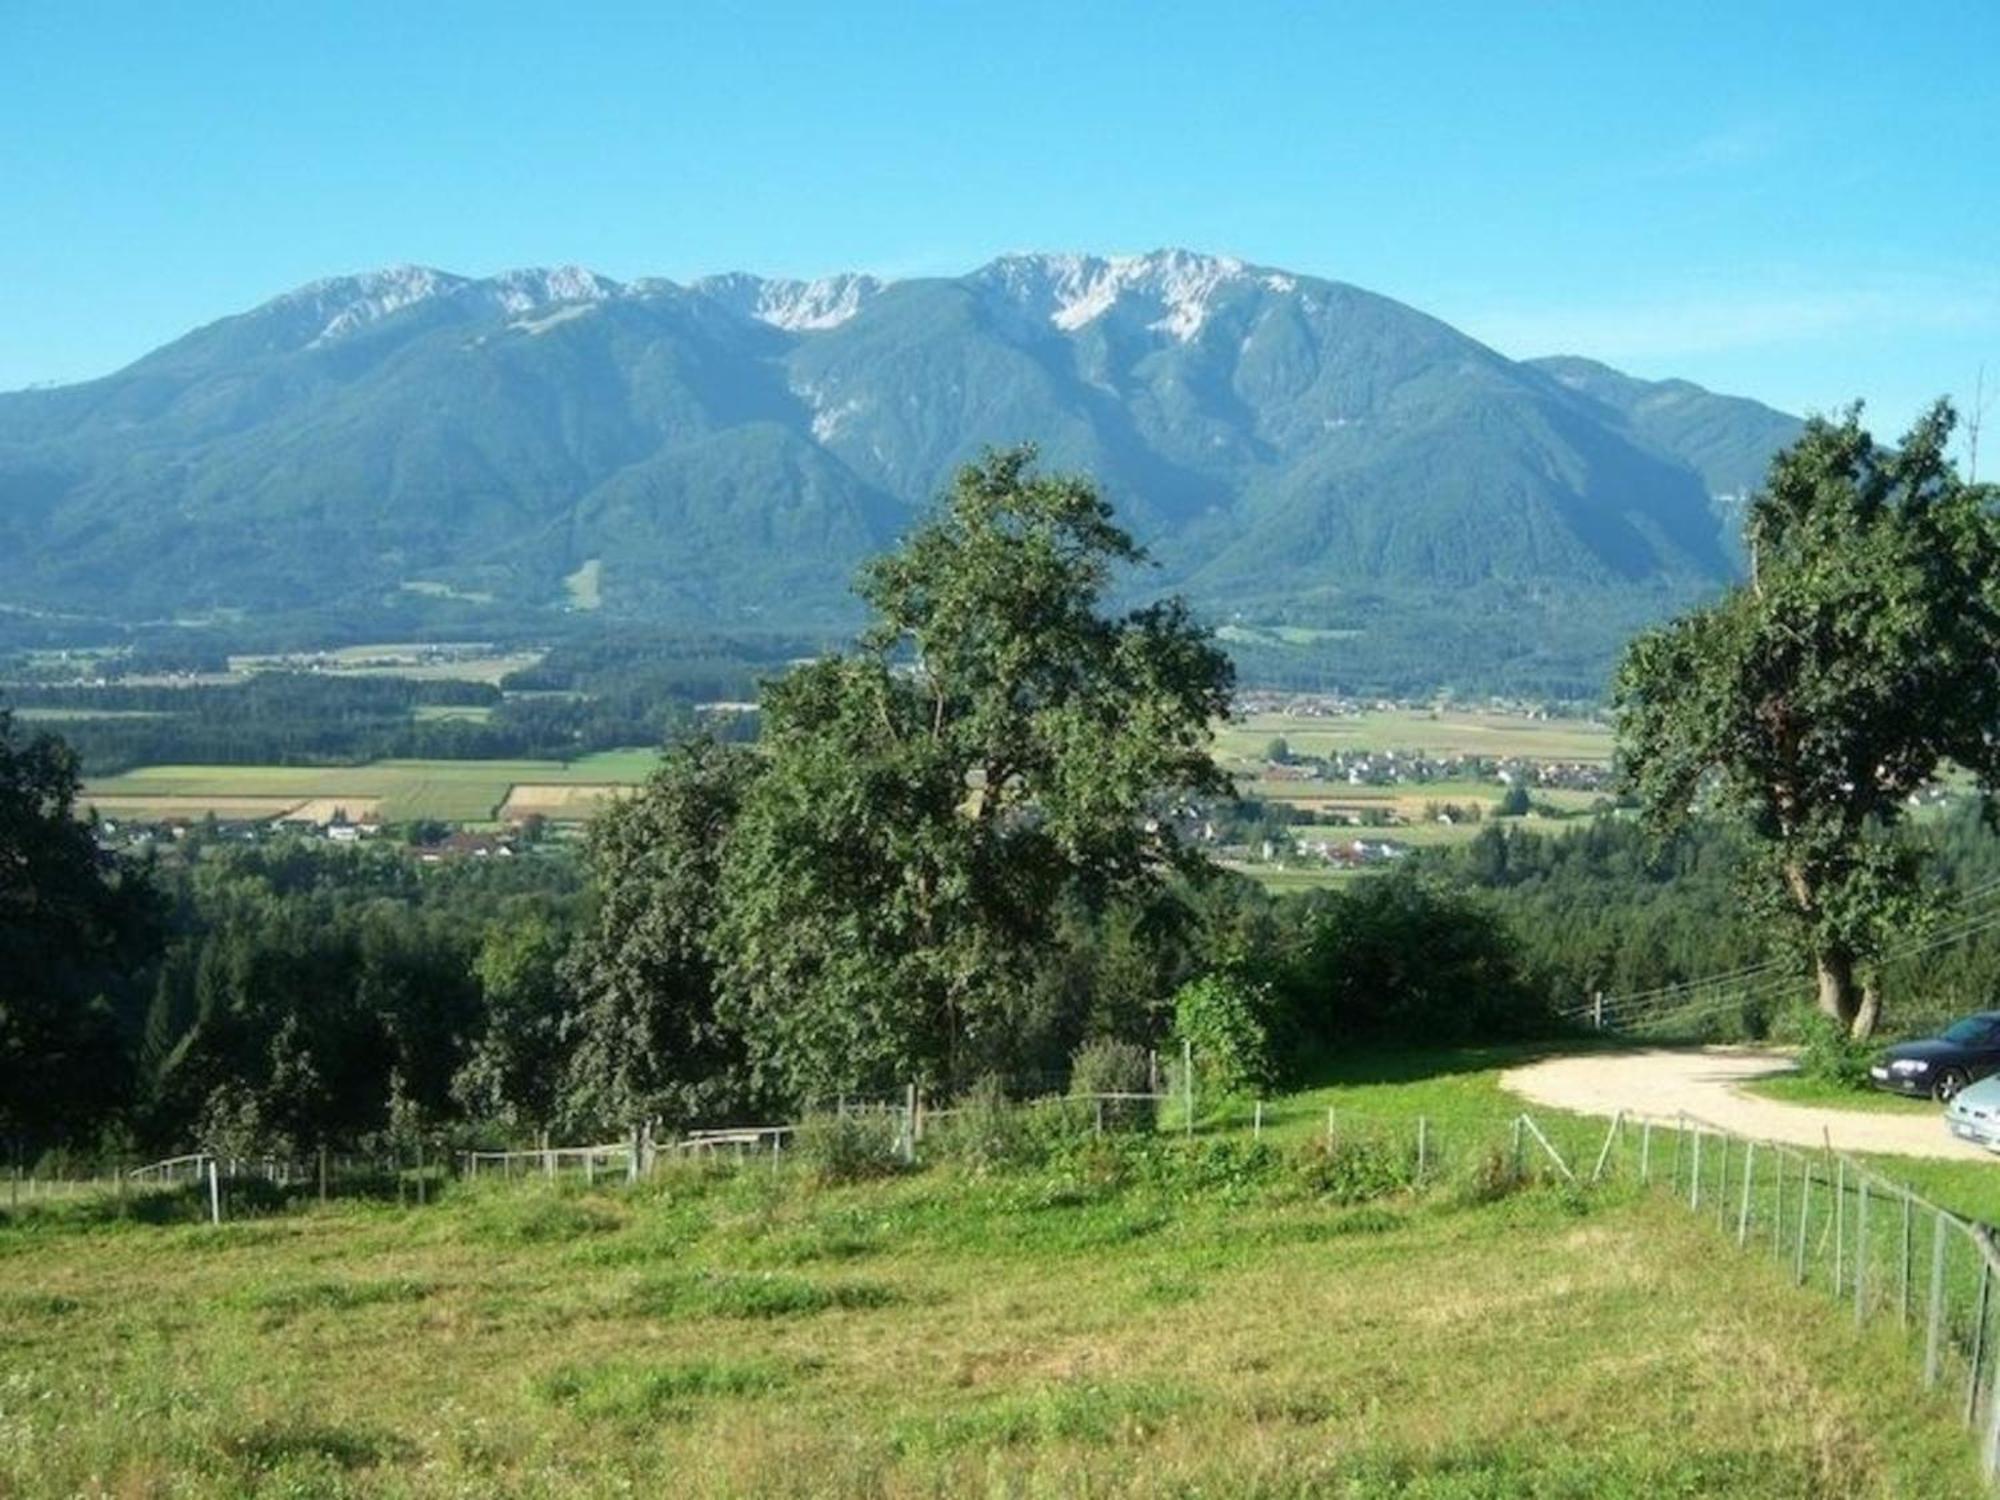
951,856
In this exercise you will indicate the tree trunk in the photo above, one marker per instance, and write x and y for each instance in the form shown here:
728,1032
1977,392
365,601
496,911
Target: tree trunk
1870,1011
1839,995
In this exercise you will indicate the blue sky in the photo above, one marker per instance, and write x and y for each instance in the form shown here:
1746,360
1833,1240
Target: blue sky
1796,202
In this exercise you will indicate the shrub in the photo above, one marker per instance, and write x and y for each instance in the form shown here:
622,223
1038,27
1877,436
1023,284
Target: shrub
1108,1066
850,1147
1830,1055
988,1130
1226,1021
1356,1168
1493,1174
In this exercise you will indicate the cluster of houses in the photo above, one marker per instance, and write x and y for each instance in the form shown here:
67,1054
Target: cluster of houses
1406,767
138,836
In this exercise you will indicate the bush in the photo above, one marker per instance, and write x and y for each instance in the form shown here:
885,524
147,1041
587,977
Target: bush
1406,957
988,1130
1107,1066
1226,1021
1830,1055
1492,1175
850,1147
1356,1168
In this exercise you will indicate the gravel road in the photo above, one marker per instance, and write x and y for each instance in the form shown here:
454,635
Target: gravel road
1663,1082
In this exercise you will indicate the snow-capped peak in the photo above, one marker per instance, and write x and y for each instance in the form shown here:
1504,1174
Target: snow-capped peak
346,303
799,306
1071,291
537,287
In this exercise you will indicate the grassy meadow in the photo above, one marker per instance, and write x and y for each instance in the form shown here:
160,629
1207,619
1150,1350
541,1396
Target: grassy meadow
1160,1317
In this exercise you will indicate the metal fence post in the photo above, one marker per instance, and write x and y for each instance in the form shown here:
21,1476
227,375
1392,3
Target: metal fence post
1978,1339
1778,1202
1839,1222
1861,1255
1694,1175
1423,1131
214,1194
1903,1286
1743,1211
1646,1153
1933,1336
1805,1212
1187,1080
1722,1187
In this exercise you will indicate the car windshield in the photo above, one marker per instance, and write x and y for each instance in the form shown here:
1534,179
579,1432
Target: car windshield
1969,1032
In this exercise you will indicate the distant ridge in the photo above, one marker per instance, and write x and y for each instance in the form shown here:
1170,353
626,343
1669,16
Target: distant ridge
726,449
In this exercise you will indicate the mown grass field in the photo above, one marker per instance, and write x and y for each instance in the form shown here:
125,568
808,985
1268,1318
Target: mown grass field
1166,1318
1440,732
452,791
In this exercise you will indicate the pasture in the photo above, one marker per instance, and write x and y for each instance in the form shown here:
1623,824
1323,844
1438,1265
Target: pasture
1161,1317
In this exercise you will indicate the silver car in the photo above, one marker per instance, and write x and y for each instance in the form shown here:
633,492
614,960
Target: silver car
1974,1113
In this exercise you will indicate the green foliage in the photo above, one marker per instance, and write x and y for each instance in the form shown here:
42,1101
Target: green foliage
899,870
648,1042
987,1130
73,925
1105,1065
1227,1020
1356,1167
850,1147
1406,957
1809,705
1491,1174
1829,1054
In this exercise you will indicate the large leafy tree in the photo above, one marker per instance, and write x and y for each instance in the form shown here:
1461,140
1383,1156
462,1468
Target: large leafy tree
73,924
647,1044
1808,705
999,744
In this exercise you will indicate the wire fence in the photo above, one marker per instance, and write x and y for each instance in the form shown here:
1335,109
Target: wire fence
1840,1226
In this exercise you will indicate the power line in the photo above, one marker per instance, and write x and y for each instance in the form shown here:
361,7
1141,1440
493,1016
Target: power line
1621,1004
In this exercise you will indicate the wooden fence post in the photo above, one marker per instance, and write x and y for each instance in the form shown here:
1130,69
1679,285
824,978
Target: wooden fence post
1423,1142
1187,1080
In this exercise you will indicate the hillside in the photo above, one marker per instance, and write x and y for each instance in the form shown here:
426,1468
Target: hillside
1294,450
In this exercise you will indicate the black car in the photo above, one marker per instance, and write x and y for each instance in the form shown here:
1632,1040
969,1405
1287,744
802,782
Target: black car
1939,1066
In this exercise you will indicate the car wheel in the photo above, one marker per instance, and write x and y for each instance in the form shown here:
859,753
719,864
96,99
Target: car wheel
1949,1082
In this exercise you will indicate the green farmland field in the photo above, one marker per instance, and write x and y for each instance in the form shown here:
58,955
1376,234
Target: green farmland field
1443,732
451,791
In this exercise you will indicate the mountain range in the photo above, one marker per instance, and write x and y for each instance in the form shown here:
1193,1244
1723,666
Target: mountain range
1297,452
